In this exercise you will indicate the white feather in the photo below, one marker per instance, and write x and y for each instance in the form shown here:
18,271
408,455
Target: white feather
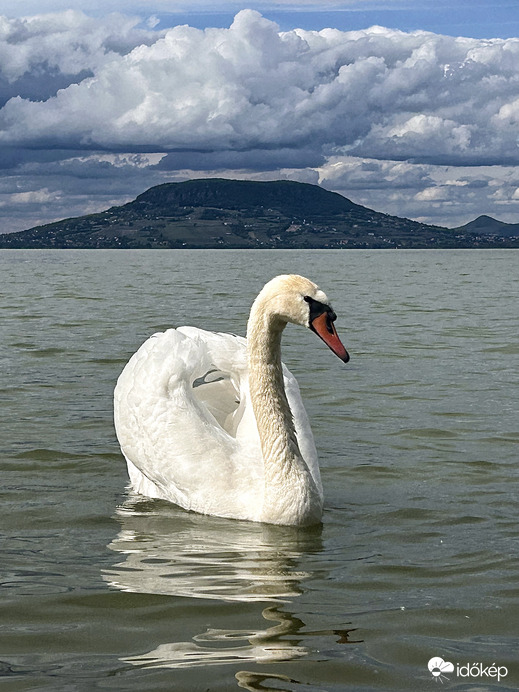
189,432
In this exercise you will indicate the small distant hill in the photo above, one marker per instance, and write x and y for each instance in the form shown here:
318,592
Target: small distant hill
221,213
486,225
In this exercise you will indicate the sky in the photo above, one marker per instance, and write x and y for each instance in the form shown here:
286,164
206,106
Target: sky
405,106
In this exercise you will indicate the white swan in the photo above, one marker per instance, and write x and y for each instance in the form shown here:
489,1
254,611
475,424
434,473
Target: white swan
215,423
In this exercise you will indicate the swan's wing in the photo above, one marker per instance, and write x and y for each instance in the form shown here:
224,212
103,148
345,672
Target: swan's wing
223,361
178,403
228,354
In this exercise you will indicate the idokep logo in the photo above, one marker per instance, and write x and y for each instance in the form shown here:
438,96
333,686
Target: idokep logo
438,667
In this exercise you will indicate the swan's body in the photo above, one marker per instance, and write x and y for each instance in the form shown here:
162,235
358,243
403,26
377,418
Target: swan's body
215,423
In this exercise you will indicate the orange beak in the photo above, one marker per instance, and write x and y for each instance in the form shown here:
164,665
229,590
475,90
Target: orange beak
323,326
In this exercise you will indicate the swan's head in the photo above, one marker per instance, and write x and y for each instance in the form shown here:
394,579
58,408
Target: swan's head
293,298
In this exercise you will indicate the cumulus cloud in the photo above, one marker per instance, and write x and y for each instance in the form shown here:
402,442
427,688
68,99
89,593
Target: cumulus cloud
66,43
444,195
376,93
371,110
355,173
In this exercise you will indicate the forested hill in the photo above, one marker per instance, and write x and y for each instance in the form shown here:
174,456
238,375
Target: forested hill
221,213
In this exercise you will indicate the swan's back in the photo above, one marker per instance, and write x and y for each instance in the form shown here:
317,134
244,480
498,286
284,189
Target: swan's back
186,426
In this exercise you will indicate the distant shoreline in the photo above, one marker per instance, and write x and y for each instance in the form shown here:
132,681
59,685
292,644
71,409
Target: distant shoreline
218,214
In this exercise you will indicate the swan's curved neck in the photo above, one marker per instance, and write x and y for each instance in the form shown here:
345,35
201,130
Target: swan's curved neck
291,496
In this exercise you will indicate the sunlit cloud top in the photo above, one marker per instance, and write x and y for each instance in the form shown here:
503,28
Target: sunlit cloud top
72,82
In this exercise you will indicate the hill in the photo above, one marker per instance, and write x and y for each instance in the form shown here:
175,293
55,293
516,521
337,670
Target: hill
486,225
220,213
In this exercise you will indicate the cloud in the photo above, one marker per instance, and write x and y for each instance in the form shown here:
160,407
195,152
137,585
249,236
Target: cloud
375,112
257,159
444,195
66,43
365,174
376,93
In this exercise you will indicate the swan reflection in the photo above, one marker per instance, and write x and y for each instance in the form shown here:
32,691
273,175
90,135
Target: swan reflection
216,646
168,551
172,552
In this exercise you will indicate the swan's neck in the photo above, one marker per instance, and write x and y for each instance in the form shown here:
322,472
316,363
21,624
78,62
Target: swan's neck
291,495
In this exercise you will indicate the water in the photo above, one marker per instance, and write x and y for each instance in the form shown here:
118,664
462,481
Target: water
418,439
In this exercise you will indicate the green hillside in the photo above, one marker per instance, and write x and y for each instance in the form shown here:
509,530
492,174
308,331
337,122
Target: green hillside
220,213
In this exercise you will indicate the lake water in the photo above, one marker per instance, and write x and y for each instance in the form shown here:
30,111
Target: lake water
418,438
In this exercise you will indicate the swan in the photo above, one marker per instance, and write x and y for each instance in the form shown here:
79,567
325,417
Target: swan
214,422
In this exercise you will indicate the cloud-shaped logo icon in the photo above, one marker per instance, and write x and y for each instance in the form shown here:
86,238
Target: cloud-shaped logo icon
438,667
